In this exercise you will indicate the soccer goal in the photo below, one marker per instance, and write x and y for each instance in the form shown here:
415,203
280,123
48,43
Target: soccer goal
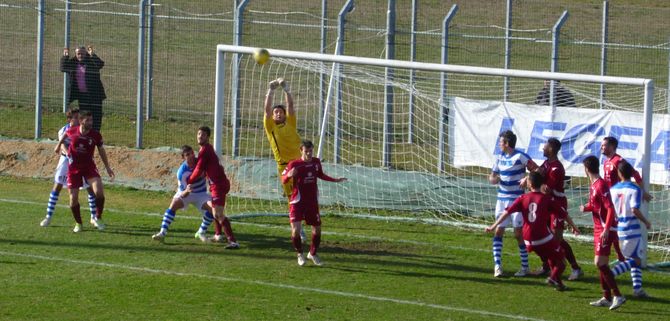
417,140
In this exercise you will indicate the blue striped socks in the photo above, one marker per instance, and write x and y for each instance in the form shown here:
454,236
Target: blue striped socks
497,250
623,266
207,219
636,275
523,253
91,205
51,205
168,217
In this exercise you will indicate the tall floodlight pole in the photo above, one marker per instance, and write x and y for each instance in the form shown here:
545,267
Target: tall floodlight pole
556,31
412,73
139,117
444,100
387,143
66,44
508,47
603,50
235,79
40,63
341,20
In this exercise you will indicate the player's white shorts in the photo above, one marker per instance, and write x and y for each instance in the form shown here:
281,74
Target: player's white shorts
633,248
197,199
516,218
60,177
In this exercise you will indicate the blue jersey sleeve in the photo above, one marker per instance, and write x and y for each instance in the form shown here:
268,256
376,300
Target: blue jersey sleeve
183,174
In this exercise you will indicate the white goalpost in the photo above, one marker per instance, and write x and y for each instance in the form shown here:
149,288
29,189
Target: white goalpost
439,174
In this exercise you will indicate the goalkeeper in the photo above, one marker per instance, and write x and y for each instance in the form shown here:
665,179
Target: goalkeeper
281,128
280,125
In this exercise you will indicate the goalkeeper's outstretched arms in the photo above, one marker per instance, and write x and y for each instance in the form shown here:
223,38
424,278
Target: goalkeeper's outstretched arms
287,95
268,97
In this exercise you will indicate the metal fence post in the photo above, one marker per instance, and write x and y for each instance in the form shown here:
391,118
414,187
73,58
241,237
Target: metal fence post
40,58
140,74
150,59
508,47
388,88
603,50
556,30
66,36
235,79
322,49
444,101
219,101
412,73
341,20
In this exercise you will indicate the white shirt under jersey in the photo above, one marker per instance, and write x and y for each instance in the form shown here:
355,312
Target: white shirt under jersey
183,173
61,133
626,196
511,168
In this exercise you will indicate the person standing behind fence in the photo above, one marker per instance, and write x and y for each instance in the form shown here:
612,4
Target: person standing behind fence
562,96
85,85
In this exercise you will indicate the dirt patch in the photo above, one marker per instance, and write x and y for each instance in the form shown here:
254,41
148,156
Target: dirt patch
144,169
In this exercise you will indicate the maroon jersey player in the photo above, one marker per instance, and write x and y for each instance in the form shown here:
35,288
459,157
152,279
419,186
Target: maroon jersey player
535,208
208,165
604,232
304,204
83,141
554,186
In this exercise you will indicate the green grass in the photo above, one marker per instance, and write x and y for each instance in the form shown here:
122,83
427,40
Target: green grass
374,270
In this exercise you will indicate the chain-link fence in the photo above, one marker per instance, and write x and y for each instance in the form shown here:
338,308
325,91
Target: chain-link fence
185,33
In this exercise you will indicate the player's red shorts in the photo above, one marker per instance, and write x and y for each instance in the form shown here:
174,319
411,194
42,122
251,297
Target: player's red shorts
551,250
556,220
601,249
219,192
76,176
311,216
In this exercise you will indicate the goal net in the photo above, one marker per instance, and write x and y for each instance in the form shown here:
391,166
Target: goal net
417,141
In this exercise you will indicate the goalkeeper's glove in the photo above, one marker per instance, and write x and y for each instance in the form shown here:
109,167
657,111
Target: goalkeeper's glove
284,84
274,84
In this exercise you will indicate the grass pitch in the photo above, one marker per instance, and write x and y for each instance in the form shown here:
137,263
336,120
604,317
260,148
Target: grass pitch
373,270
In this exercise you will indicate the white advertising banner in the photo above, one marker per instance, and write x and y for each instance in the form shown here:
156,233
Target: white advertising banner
477,124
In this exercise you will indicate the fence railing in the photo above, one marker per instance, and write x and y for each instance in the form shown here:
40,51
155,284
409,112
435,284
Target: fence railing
162,86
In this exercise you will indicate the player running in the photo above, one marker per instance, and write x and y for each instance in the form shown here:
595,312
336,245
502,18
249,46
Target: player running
208,165
196,195
508,170
83,141
626,197
604,233
304,204
60,177
537,209
554,180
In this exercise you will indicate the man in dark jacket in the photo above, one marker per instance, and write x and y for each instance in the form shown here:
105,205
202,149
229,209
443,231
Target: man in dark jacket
562,96
85,85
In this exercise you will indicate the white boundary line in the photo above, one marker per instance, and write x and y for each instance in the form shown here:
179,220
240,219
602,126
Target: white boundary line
274,285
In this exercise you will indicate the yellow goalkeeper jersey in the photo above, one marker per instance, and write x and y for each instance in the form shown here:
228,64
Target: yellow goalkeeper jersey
283,138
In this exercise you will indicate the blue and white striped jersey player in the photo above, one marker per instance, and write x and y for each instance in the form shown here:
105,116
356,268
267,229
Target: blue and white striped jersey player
627,197
195,194
508,172
60,177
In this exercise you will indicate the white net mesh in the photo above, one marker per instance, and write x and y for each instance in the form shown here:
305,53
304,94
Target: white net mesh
411,185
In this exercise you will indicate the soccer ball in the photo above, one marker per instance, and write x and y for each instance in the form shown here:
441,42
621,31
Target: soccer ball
261,56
